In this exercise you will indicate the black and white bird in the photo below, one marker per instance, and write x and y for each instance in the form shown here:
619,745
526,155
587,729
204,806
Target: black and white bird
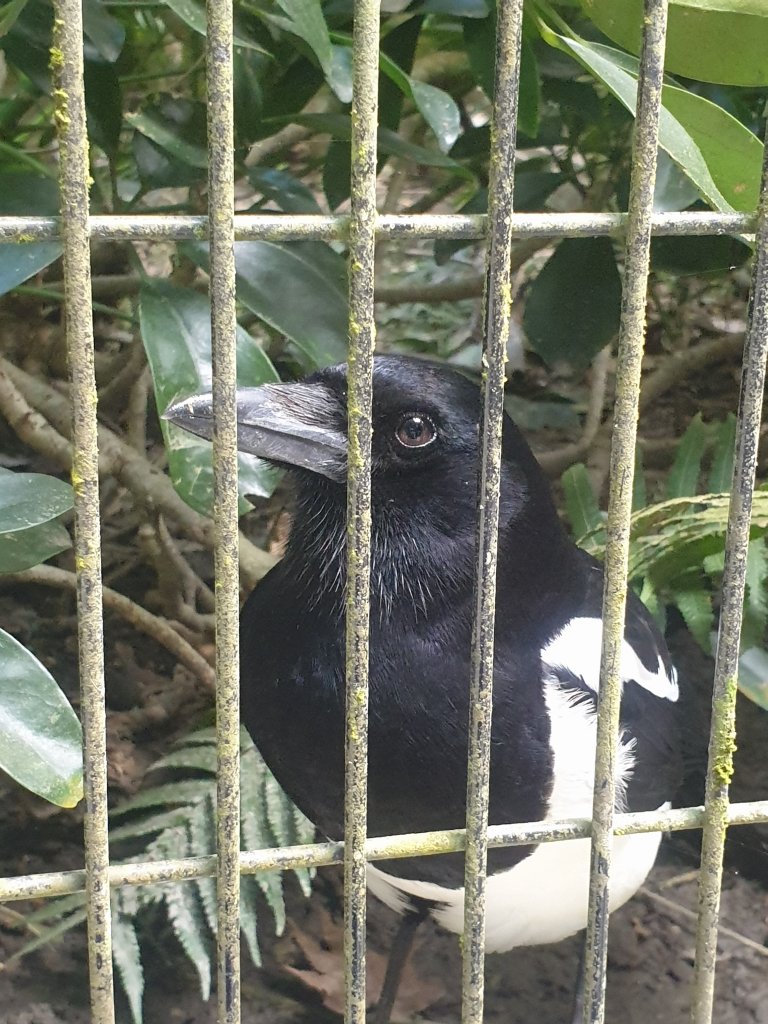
547,650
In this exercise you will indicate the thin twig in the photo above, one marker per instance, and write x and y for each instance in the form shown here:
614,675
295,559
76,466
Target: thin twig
159,629
30,426
151,488
690,915
555,462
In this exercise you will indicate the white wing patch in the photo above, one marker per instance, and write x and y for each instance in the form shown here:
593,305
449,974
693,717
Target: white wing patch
576,648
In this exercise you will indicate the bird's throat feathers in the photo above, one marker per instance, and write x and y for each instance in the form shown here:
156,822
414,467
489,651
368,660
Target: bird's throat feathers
423,553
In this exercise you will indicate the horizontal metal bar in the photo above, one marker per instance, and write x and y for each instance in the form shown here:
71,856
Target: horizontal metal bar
279,228
422,844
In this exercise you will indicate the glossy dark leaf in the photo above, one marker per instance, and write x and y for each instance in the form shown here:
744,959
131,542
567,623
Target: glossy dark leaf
298,288
704,254
105,32
723,41
458,8
104,105
719,155
24,549
176,328
337,169
177,126
284,189
574,305
29,499
26,194
40,736
193,14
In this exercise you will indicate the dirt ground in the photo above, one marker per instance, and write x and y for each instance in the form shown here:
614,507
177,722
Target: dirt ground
650,970
651,940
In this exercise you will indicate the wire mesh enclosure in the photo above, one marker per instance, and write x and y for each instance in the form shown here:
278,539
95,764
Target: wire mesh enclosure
502,228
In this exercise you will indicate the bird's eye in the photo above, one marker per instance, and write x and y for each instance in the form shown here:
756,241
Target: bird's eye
414,431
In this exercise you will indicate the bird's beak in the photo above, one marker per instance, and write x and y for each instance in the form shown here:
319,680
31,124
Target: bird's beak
290,424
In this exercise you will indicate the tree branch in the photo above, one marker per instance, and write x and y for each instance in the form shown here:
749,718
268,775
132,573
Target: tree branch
159,629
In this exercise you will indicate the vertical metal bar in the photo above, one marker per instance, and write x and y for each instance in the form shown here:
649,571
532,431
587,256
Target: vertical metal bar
722,739
498,302
362,339
630,354
69,97
221,206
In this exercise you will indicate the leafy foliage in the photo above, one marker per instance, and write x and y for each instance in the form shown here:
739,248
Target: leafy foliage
176,818
677,545
40,735
147,123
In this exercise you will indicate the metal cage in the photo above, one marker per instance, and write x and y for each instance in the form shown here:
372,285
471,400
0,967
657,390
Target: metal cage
502,227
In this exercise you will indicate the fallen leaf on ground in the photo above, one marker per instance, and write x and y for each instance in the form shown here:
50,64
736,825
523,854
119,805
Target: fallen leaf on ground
325,974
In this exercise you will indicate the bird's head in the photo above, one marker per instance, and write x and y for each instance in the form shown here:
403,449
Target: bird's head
424,459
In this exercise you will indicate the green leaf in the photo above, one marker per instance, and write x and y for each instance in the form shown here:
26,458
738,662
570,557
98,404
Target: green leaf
127,957
40,735
9,12
437,108
753,675
298,288
193,14
705,254
176,328
389,143
283,188
105,32
719,155
721,472
178,127
755,621
27,194
574,305
104,103
23,549
684,476
639,495
580,502
722,41
304,18
695,605
529,100
28,499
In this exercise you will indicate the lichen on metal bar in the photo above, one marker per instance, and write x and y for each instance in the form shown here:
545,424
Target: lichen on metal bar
221,207
629,363
66,61
362,339
722,739
276,228
498,300
422,844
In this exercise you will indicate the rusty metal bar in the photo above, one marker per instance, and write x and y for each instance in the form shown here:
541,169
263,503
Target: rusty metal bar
498,302
283,228
362,340
422,844
221,208
645,144
722,740
74,173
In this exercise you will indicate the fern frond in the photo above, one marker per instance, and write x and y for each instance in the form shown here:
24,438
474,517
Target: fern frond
201,838
127,957
167,794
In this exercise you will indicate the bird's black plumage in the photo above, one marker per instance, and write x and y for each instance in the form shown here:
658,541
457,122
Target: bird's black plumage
425,460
